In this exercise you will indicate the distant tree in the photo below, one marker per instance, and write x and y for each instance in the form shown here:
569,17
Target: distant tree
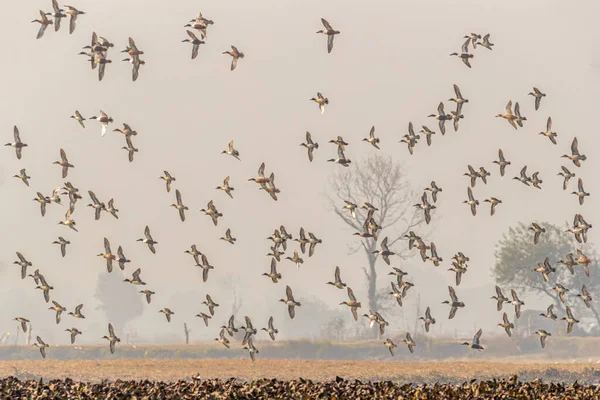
120,301
517,257
382,182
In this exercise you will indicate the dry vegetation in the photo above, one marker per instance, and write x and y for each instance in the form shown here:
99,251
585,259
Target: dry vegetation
244,369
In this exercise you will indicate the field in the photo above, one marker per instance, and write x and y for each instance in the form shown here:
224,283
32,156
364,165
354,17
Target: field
244,369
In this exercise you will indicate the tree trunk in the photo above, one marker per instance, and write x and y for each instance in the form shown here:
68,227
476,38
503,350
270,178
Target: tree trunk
28,336
187,333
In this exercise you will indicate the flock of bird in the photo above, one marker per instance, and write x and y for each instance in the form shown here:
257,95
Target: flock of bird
98,50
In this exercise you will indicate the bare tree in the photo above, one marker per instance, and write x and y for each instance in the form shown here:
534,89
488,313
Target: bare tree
187,333
383,183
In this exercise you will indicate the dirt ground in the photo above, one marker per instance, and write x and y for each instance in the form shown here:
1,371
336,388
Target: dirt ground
169,370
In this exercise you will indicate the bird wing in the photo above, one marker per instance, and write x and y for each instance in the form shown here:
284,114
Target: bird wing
326,24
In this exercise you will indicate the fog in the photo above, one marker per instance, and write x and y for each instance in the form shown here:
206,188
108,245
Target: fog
389,66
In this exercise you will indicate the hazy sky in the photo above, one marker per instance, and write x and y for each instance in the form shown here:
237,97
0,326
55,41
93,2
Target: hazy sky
389,66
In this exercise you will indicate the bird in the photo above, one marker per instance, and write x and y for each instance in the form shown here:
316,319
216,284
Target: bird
409,342
561,290
168,180
475,344
194,253
353,304
148,294
549,313
428,133
471,201
454,303
290,302
516,302
502,162
372,139
569,262
17,144
519,119
59,310
459,269
545,268
44,287
103,119
204,317
296,259
570,319
321,101
271,329
337,280
538,97
74,13
434,255
426,207
523,178
77,117
584,261
464,54
506,324
442,117
350,206
23,176
249,329
96,204
44,22
226,188
58,14
427,319
41,345
537,231
567,175
23,322
135,279
329,32
167,313
585,296
543,335
548,133
580,192
472,174
180,206
342,160
148,240
107,255
228,238
112,338
312,242
494,203
459,100
434,190
339,141
500,298
231,151
222,339
74,332
77,313
273,274
23,263
395,293
252,350
212,212
473,37
111,208
136,62
509,116
385,252
575,156
486,42
195,43
205,267
230,328
310,145
390,345
235,54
